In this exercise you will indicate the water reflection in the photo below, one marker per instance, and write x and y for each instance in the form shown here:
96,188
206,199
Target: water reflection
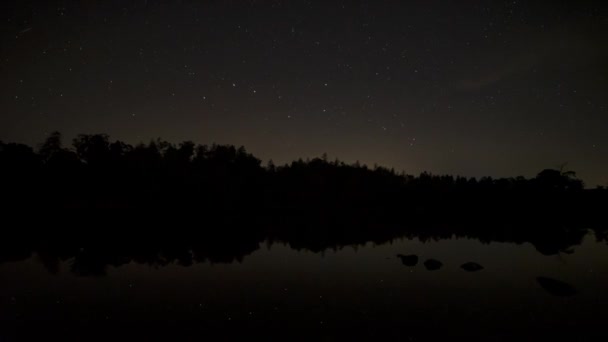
93,251
184,288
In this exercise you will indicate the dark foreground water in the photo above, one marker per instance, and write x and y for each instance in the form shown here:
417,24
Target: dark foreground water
278,293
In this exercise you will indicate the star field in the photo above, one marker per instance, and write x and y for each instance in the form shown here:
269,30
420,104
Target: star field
499,88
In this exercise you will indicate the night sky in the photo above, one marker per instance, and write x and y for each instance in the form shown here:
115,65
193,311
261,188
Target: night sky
498,88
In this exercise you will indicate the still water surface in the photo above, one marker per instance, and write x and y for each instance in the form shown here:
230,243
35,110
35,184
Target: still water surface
281,293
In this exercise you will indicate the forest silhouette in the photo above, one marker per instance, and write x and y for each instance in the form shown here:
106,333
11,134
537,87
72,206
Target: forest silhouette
155,202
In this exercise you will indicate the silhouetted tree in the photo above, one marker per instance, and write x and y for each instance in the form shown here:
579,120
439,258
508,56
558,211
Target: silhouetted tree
57,157
558,180
51,145
93,149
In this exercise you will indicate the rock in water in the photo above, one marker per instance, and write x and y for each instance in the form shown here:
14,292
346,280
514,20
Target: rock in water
432,264
471,267
556,287
408,260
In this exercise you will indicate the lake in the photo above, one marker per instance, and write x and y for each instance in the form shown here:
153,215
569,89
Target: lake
276,292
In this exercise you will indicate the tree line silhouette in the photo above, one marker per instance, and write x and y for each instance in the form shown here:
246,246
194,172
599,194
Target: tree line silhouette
96,172
105,191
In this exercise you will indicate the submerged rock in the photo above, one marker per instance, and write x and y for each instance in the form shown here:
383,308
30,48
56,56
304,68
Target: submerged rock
432,264
471,267
408,260
556,287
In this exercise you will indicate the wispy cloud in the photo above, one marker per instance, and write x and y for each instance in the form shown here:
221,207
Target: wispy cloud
497,72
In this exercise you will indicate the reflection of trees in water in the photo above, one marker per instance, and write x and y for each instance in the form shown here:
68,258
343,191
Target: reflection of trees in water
93,259
92,251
